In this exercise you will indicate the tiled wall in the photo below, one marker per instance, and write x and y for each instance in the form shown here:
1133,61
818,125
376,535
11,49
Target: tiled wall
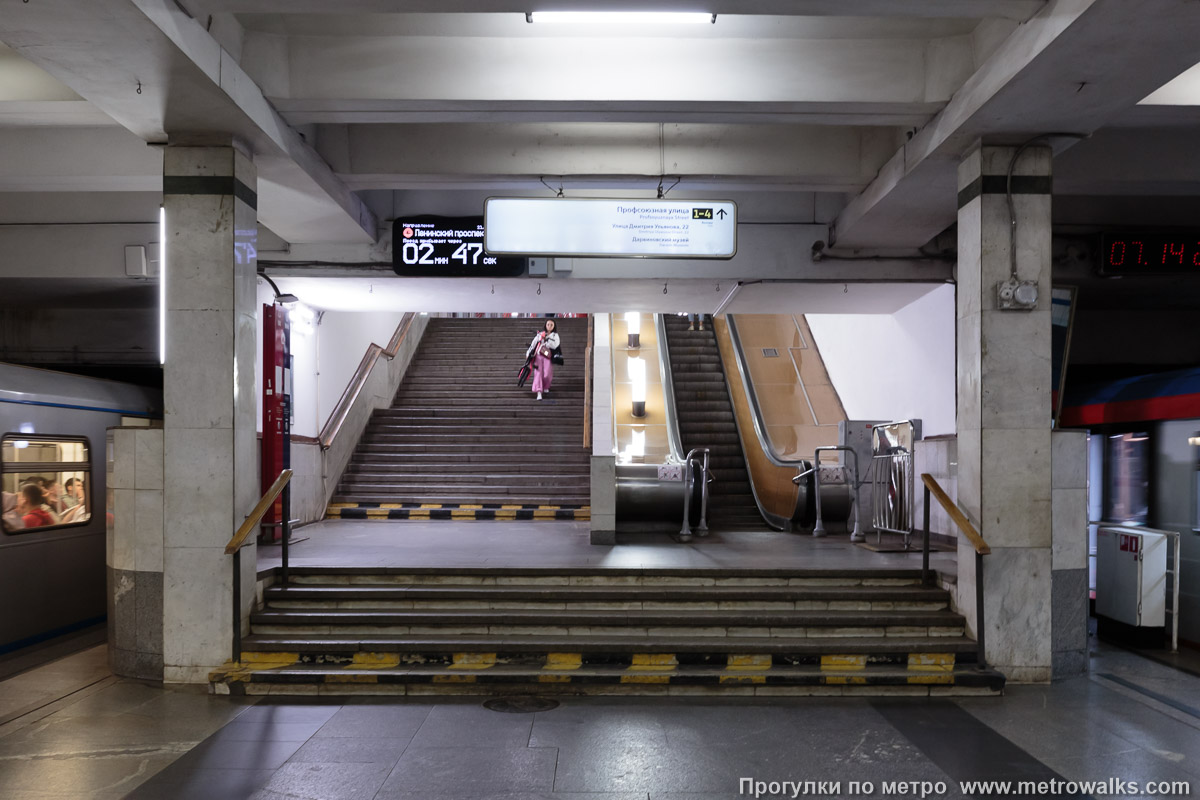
134,551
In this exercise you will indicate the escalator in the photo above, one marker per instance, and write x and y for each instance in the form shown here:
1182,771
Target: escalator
705,418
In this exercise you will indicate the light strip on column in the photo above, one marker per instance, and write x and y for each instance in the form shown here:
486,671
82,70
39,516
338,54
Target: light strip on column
162,284
622,17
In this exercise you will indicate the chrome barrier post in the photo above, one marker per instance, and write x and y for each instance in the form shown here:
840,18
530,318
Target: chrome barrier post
287,530
685,532
237,606
925,543
819,525
856,535
980,624
702,529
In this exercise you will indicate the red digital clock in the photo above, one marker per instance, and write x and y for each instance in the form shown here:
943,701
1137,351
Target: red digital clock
1149,253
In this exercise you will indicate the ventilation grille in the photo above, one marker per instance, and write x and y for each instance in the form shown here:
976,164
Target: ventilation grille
770,352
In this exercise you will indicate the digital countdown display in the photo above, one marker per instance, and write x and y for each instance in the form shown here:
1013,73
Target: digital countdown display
1149,253
447,247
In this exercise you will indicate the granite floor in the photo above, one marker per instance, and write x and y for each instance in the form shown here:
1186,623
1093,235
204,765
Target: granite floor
453,543
1129,719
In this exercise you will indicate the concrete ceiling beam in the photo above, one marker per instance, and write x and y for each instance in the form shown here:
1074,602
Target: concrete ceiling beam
1048,76
923,9
158,73
791,157
309,111
108,159
908,72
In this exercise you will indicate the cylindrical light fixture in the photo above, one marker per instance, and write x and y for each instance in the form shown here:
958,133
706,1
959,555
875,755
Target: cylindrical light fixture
633,321
637,379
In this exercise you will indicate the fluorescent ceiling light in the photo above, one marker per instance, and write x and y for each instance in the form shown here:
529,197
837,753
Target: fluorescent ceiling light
622,17
162,284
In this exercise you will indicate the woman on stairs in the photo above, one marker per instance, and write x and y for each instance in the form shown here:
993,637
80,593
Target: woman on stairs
543,346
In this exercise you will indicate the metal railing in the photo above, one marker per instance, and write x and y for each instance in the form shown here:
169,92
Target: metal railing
587,383
819,527
345,403
934,489
892,479
234,548
667,379
760,429
697,455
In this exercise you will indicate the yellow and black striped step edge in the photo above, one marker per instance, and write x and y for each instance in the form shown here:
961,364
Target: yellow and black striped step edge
921,669
457,511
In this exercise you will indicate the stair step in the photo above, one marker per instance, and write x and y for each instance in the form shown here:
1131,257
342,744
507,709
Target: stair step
469,478
623,622
462,499
506,646
601,680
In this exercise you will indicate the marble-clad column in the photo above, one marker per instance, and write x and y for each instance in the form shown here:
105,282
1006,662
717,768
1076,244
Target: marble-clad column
210,471
1004,446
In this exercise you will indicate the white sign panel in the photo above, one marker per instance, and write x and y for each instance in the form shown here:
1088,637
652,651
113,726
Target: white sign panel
554,226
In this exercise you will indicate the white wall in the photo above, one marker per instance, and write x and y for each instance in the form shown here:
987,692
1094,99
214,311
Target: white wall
342,340
894,366
324,361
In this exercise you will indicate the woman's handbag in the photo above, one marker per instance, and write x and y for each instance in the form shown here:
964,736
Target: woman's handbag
545,351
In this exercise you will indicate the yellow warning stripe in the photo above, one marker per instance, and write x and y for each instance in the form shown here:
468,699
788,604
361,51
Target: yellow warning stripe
931,662
473,661
843,662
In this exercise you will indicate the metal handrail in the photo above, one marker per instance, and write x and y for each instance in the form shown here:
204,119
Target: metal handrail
341,411
667,379
587,383
760,427
234,548
956,514
934,489
819,527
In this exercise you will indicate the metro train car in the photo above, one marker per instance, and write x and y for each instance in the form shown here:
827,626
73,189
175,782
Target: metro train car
52,477
1144,453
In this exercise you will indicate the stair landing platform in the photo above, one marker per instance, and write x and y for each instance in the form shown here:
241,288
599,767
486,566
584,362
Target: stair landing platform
566,544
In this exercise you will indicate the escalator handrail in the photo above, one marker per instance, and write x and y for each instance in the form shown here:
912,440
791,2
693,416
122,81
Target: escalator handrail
760,426
666,376
776,521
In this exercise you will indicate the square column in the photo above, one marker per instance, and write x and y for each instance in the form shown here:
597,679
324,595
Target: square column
210,470
1004,409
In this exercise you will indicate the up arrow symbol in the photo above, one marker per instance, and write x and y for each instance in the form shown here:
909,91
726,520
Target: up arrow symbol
721,213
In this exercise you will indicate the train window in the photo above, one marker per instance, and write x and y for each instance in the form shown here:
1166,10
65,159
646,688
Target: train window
1127,479
45,482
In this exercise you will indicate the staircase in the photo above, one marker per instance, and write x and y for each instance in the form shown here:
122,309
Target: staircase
706,419
338,630
460,435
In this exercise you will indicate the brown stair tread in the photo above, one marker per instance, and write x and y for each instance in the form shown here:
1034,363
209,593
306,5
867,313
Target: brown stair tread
572,594
338,644
741,618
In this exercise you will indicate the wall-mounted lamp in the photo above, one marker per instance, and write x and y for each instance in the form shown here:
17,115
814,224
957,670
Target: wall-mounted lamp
633,321
637,378
282,298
